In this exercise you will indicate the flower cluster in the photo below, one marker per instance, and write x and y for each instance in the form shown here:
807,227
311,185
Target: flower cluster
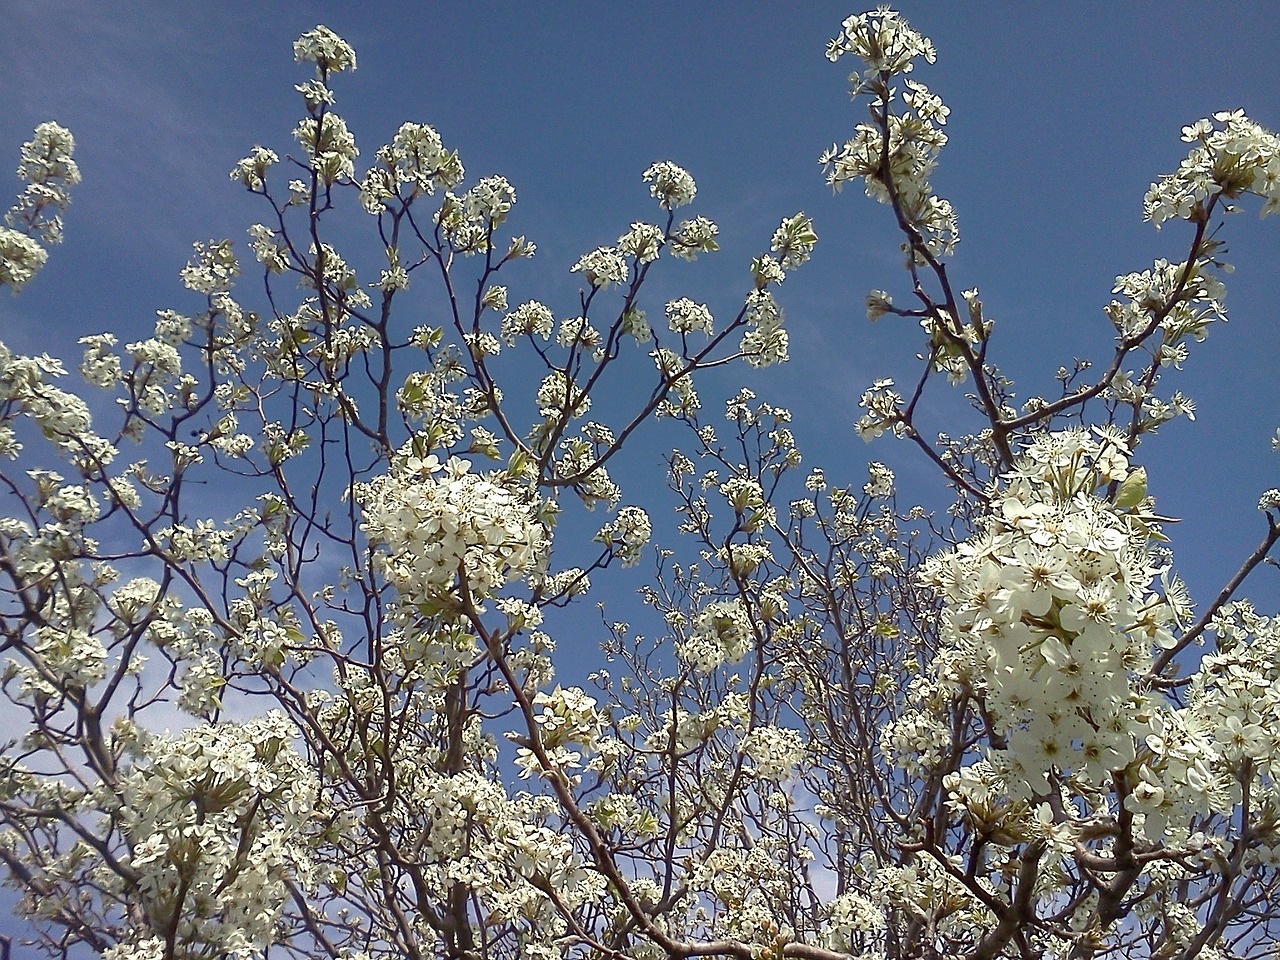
882,404
1050,615
674,370
1231,155
329,145
34,221
531,319
252,170
559,397
879,481
747,500
765,341
850,917
897,152
643,242
416,157
883,41
466,832
447,529
219,817
775,752
1187,298
1203,758
685,316
328,51
693,237
212,268
602,267
27,390
670,184
567,716
489,201
793,241
49,170
21,258
722,633
626,535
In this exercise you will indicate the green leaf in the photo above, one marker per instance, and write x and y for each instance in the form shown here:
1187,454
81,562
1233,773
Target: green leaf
1134,489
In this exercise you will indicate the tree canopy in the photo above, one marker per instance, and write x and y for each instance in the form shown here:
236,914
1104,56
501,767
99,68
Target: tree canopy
287,588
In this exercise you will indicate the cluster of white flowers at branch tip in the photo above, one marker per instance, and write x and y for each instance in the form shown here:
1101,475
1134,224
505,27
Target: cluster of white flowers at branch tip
559,397
252,170
468,221
1231,156
693,237
721,634
531,319
212,269
626,536
879,481
602,267
1050,617
670,184
685,316
328,51
682,399
34,221
793,241
895,153
883,41
765,341
416,157
573,332
451,536
882,404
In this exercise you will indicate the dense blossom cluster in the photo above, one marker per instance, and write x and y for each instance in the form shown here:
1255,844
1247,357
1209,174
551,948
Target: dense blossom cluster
670,184
627,535
219,818
328,51
451,534
1219,750
416,156
34,221
685,316
1231,155
721,634
1050,616
602,267
896,155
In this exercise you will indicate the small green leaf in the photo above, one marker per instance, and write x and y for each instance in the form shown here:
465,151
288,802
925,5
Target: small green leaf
1134,489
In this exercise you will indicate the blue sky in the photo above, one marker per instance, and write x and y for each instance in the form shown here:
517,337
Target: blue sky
1062,114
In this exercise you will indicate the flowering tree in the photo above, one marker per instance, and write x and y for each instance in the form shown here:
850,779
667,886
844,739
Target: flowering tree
319,713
